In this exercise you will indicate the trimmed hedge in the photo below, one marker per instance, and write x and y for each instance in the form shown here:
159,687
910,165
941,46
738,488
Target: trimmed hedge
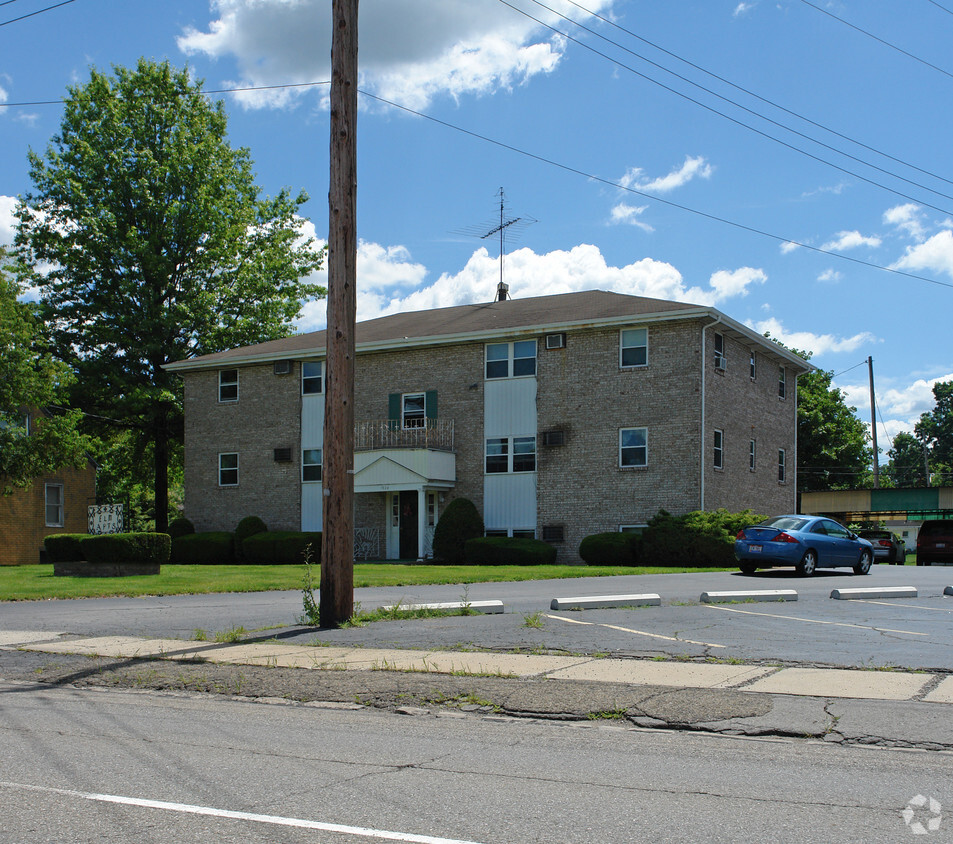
459,522
211,548
246,528
127,548
281,547
180,527
64,547
506,551
611,549
700,538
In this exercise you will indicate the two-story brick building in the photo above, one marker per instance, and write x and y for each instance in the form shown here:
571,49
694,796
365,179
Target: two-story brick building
558,416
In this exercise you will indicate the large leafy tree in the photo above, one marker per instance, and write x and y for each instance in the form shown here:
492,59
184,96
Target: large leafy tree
906,467
32,382
148,238
934,431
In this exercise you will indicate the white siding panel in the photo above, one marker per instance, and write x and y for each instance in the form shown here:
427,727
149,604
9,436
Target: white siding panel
312,421
311,506
509,407
509,501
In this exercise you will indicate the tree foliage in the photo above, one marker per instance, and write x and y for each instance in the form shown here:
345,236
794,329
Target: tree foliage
925,457
31,381
148,239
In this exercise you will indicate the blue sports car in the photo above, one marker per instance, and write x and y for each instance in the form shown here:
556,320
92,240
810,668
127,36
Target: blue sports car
805,542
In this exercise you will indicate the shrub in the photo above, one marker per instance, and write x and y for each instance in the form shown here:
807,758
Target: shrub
127,548
64,547
610,549
281,547
459,522
247,527
212,548
699,538
504,551
180,527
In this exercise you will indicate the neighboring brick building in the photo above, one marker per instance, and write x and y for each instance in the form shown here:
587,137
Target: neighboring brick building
55,503
558,416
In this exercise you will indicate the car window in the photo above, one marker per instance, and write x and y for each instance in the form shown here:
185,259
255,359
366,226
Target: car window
936,527
834,529
819,528
784,523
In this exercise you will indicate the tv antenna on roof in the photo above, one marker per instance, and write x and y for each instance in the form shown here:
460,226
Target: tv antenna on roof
508,226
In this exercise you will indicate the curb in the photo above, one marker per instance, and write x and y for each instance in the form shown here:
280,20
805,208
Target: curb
487,607
874,592
756,595
602,601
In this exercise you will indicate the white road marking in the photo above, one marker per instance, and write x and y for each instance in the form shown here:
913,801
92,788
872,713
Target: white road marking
241,816
815,621
637,632
894,604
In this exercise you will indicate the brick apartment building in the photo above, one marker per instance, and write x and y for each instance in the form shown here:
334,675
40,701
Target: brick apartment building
558,416
54,503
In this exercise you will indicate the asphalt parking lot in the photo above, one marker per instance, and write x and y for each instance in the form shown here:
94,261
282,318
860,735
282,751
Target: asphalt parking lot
911,632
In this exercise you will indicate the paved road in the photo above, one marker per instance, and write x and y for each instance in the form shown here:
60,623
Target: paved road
908,633
76,764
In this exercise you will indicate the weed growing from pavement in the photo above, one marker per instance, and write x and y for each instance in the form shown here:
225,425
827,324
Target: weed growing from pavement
234,634
311,610
199,635
534,619
607,715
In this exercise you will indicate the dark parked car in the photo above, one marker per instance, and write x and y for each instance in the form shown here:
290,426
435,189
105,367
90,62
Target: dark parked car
805,542
887,546
935,542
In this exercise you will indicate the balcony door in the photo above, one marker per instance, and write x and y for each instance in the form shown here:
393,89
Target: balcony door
409,521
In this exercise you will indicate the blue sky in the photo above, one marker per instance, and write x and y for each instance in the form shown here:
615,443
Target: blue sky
835,237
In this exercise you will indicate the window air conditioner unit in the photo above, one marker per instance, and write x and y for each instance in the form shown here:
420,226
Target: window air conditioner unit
554,533
282,455
721,364
556,341
554,438
282,367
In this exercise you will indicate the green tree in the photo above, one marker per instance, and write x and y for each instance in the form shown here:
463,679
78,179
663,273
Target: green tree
31,380
935,433
906,468
147,236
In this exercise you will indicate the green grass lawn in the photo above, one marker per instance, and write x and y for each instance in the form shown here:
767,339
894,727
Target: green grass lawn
34,583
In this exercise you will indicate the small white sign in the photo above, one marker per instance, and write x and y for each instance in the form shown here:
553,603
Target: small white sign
105,518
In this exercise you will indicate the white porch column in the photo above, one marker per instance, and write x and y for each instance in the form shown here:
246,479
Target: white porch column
421,522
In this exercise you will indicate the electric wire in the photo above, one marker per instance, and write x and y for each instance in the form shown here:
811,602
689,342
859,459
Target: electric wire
728,117
37,12
755,95
948,11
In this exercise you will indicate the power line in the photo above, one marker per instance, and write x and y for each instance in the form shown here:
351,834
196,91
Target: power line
948,11
722,114
37,12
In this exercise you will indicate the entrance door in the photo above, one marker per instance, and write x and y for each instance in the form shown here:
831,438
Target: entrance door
408,531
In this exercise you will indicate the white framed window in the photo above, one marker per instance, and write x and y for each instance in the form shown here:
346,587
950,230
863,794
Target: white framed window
633,447
782,468
718,449
311,465
633,347
511,360
510,454
413,410
752,454
752,365
228,385
720,361
312,377
53,497
515,533
782,382
228,469
431,509
632,528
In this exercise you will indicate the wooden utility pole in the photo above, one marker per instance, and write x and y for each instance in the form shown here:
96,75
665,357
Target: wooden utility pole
337,551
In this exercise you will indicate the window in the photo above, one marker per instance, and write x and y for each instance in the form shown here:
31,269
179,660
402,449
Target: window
634,347
516,533
720,362
523,534
632,528
21,420
719,451
431,509
54,505
752,365
500,457
412,413
782,477
633,447
228,385
312,377
228,469
506,360
782,382
311,465
752,447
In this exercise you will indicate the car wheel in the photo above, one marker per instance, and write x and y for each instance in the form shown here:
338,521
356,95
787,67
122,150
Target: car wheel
808,564
863,565
747,568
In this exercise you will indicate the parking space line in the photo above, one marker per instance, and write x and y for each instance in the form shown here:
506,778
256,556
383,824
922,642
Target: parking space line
816,621
637,632
893,604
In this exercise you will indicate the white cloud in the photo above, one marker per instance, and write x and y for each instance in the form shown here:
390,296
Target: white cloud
807,341
787,247
830,276
693,168
741,8
411,50
629,215
898,408
907,218
935,255
7,221
851,240
390,282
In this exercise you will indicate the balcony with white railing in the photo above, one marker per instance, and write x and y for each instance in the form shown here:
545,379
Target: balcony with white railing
377,434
